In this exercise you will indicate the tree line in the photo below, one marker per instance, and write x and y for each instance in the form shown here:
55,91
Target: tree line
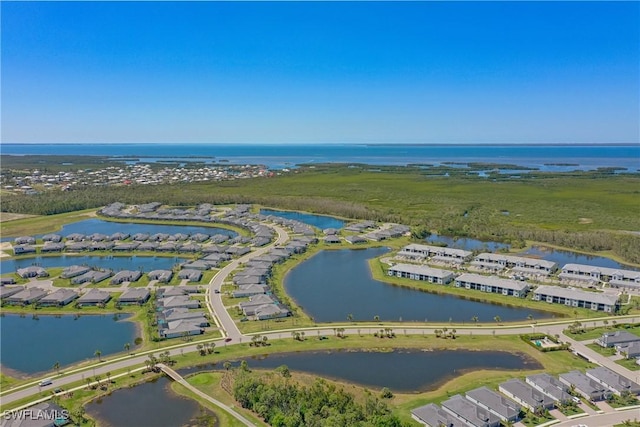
282,402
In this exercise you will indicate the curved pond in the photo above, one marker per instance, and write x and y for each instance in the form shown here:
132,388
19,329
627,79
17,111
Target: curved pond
401,370
335,283
320,221
149,404
33,345
144,263
90,226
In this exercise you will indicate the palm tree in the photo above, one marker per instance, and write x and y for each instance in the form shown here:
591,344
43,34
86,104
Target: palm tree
497,319
56,366
475,319
376,318
350,317
127,346
108,374
97,354
226,365
212,347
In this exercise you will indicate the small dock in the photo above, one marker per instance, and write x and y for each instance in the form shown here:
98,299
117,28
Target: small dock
178,378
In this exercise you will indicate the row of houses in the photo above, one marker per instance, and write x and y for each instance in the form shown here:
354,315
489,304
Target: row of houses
20,295
483,407
178,314
617,278
492,284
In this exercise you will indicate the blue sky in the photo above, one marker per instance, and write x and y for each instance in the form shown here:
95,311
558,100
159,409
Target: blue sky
409,72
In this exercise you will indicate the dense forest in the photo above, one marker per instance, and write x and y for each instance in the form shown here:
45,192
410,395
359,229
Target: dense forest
588,213
282,402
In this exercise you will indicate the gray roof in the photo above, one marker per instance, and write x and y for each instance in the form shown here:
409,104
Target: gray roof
479,279
526,393
612,272
496,403
58,296
135,294
550,386
515,260
95,295
7,291
576,294
610,339
613,380
470,412
27,295
583,383
436,250
422,270
435,416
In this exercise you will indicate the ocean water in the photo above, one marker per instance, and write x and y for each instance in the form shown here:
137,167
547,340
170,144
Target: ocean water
277,156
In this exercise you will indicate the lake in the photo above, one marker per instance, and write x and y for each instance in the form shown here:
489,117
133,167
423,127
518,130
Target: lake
149,404
466,243
335,283
567,257
320,221
401,370
116,263
31,346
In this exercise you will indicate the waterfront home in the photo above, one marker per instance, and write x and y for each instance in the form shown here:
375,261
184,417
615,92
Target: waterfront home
355,240
526,395
271,311
612,339
585,386
550,386
436,253
26,296
139,237
126,246
332,240
167,247
76,237
249,307
524,265
162,276
147,246
249,290
576,298
94,297
125,276
613,381
32,271
200,237
119,236
190,248
433,416
178,301
134,296
159,237
91,277
181,328
24,249
52,247
73,271
614,276
470,413
421,272
98,237
7,291
73,246
102,245
59,298
492,284
52,238
219,238
505,409
25,240
190,275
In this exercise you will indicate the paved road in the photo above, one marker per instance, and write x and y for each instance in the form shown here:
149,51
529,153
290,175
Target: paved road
214,300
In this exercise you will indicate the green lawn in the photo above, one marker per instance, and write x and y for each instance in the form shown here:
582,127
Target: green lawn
593,333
